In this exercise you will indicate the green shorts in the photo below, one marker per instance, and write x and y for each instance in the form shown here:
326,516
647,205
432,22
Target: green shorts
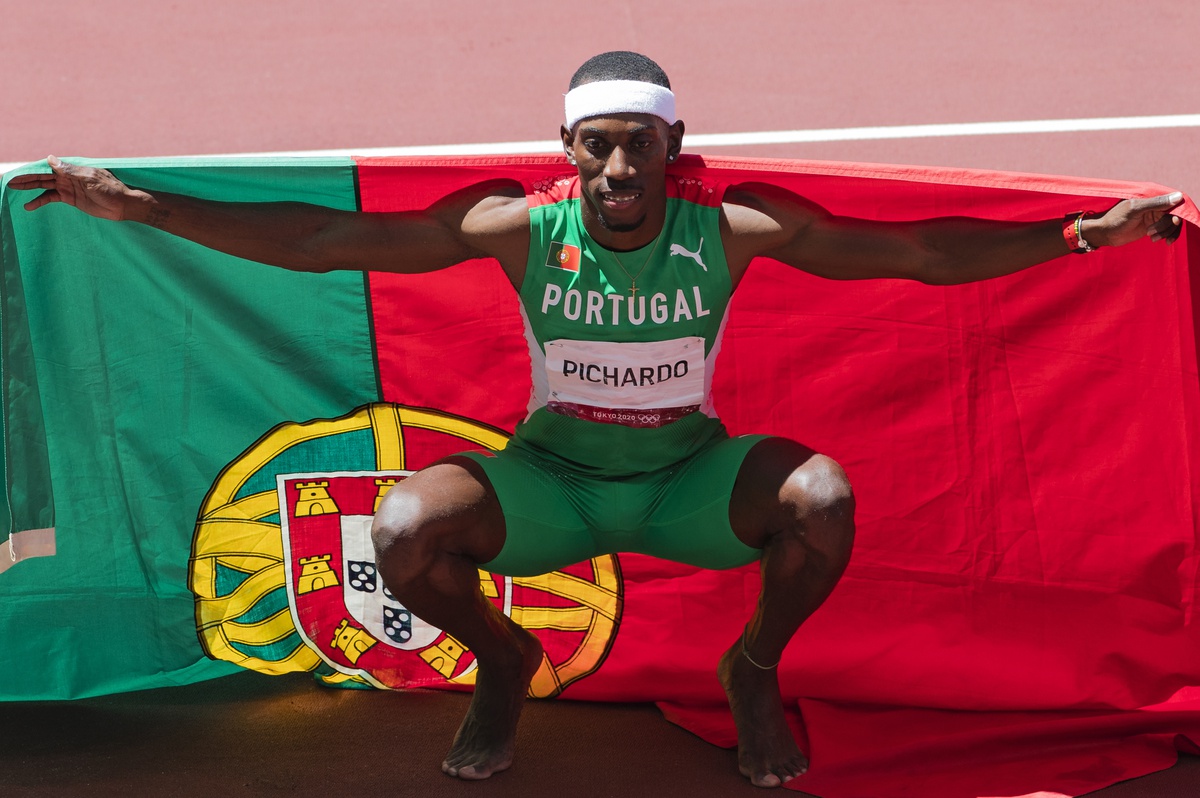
555,517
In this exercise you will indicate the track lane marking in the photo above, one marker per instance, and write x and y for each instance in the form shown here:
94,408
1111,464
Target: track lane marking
704,140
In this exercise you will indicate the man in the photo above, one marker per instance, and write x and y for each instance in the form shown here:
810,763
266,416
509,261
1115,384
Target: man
624,273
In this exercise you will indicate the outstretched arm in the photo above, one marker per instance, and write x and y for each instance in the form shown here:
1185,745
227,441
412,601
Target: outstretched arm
768,221
486,220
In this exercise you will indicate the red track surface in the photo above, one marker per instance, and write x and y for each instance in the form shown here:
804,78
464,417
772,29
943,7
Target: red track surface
135,79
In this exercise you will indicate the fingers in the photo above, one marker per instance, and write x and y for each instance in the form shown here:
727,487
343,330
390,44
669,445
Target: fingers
1160,226
57,167
42,180
48,183
45,198
62,168
27,182
1165,229
1163,202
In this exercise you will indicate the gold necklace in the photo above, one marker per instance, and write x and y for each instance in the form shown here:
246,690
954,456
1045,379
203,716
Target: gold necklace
633,278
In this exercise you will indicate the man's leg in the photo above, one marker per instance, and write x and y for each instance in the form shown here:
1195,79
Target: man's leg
797,506
430,533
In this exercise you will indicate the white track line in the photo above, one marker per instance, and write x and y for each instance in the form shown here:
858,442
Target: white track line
704,140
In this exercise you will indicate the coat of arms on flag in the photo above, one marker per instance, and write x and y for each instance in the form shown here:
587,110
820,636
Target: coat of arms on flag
342,609
563,256
284,569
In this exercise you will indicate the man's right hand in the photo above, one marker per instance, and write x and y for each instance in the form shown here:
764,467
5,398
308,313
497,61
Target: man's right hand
486,220
94,191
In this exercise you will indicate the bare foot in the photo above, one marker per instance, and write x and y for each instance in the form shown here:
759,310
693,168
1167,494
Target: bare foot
767,751
485,740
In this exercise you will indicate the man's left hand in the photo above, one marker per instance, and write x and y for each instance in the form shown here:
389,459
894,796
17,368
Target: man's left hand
1131,219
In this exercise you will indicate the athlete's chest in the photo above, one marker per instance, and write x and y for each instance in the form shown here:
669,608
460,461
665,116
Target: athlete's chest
671,287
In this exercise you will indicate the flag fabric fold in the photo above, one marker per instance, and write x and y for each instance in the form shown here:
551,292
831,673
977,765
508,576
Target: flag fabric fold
208,438
27,502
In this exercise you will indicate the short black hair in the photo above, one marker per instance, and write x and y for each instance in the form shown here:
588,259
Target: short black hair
620,65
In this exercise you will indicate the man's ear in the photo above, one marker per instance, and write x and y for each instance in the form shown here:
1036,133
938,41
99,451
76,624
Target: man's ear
568,141
674,140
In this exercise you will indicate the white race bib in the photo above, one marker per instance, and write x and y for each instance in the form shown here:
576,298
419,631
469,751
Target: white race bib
638,384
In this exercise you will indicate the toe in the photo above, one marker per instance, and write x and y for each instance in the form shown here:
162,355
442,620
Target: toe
472,773
766,780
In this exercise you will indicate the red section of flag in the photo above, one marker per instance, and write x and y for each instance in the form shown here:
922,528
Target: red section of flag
1025,456
449,340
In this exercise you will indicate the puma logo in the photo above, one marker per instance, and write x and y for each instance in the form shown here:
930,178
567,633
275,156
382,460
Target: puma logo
677,249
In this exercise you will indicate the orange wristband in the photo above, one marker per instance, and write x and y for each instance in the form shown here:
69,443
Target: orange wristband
1073,232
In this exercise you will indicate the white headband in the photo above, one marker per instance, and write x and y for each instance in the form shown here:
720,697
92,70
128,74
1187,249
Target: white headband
619,97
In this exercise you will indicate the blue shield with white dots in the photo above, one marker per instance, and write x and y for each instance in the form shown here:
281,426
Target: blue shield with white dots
361,575
397,625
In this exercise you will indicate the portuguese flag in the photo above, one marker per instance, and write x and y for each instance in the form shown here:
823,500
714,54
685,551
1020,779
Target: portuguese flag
194,446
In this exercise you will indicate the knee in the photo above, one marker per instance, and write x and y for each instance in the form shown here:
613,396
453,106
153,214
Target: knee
821,488
823,502
396,531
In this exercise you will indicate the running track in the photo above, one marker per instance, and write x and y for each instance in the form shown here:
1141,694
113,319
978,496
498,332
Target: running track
124,78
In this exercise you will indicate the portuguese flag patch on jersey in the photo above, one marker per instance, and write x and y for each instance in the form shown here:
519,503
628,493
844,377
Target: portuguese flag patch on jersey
563,256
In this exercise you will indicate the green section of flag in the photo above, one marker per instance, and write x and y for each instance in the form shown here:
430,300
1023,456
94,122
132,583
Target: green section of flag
26,502
136,366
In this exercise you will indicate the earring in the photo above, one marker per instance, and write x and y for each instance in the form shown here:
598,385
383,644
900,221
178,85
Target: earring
671,158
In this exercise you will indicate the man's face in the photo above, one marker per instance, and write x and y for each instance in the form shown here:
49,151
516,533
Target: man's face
622,162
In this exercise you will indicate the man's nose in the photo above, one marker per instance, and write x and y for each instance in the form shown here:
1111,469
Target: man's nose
618,167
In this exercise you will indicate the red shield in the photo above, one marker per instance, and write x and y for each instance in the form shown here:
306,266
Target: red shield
341,606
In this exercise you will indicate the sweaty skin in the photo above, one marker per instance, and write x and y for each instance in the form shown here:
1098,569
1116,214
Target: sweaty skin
796,505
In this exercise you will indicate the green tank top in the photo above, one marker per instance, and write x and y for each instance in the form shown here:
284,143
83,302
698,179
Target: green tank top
622,374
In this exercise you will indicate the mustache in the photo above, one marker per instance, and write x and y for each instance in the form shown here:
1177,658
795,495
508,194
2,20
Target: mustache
622,185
